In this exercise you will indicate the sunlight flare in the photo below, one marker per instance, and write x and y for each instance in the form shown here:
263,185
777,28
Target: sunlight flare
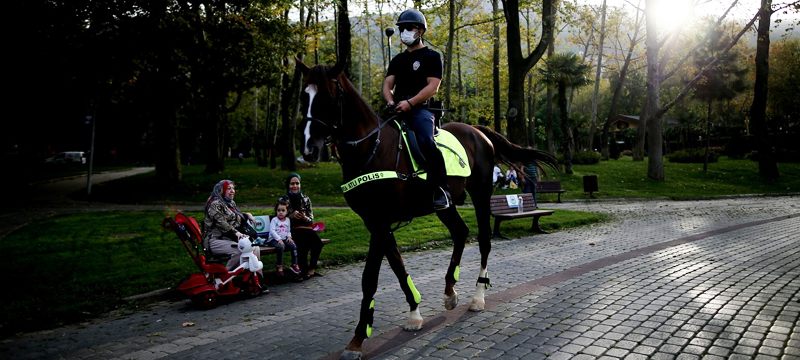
673,15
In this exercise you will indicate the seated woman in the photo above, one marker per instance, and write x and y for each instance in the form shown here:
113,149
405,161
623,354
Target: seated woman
302,216
222,221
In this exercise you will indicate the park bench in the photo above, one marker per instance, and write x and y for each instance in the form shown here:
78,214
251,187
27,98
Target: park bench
271,250
262,228
502,210
550,186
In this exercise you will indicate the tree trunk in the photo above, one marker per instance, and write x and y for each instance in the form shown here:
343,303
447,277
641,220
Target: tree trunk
593,123
548,109
568,141
343,37
623,73
655,163
448,57
168,158
498,124
519,66
288,117
767,163
708,137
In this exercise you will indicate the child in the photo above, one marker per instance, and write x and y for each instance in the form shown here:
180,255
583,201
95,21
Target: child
511,177
280,237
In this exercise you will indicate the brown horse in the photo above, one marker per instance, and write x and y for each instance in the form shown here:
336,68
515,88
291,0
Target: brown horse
383,189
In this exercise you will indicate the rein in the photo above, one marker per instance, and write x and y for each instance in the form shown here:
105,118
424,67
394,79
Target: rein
334,130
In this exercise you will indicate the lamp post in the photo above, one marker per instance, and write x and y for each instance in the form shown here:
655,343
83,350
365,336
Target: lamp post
389,32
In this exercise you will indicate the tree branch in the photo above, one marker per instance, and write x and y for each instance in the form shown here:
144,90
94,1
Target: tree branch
705,68
479,22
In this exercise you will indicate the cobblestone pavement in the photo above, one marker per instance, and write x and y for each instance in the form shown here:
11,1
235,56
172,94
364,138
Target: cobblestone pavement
688,280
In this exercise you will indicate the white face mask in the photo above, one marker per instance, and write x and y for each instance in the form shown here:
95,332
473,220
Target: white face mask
408,37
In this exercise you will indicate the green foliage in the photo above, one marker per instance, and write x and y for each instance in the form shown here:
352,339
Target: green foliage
586,157
725,78
784,80
567,69
692,156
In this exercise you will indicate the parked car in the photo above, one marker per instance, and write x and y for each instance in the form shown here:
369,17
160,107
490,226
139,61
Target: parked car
67,157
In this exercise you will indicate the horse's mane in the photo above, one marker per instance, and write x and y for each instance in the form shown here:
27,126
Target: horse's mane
320,75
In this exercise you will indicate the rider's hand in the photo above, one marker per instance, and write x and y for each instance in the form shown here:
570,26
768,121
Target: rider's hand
403,106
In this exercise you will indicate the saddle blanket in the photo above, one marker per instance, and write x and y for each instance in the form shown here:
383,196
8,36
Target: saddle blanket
454,154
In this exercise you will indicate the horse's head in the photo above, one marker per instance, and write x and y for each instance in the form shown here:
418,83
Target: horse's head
321,106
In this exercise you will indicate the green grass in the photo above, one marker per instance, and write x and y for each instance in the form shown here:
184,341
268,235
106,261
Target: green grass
625,178
73,267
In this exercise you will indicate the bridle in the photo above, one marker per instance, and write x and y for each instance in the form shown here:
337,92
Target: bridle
334,126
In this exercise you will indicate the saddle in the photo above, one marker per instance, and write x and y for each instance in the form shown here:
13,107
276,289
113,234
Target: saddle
454,154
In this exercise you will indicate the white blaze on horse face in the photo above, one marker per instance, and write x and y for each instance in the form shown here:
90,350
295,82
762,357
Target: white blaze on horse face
311,90
307,135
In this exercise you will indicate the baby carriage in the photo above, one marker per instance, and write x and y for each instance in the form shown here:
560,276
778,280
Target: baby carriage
214,279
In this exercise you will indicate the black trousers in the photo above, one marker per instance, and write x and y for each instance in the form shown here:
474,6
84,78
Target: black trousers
308,241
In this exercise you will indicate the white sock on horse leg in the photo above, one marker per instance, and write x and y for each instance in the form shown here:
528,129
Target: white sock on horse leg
478,303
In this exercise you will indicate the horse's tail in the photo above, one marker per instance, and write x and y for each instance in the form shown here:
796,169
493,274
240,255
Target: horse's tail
512,154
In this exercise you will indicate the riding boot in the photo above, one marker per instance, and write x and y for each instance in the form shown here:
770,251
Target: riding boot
437,178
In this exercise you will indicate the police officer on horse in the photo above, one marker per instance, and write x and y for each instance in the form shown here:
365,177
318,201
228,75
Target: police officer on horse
412,79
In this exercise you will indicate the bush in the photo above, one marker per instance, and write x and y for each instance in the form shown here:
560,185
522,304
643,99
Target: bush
693,156
586,157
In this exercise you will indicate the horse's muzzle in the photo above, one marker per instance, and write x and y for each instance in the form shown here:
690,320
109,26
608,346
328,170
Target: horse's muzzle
311,154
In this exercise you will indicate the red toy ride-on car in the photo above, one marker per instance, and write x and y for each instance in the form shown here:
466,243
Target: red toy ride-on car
214,279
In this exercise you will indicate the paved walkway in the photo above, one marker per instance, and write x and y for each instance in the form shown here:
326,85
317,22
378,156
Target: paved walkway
689,280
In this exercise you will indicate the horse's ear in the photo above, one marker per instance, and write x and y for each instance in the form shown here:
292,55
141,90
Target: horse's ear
303,67
336,70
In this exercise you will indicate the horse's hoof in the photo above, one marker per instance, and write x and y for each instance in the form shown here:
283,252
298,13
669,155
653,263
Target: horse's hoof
477,304
450,302
414,322
350,355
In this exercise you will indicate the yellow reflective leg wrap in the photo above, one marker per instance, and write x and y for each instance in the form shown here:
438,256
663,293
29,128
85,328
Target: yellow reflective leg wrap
457,273
417,296
369,324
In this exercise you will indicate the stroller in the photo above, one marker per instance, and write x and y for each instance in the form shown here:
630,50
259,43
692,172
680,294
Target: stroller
214,279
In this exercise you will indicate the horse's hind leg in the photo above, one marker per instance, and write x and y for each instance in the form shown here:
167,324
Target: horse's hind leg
369,285
413,296
458,232
485,245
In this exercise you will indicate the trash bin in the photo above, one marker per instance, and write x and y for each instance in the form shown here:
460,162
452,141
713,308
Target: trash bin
590,184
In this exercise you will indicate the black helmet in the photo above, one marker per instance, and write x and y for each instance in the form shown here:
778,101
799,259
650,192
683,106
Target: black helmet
412,16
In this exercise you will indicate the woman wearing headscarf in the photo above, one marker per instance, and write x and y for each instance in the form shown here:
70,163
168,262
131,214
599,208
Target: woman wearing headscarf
302,216
222,221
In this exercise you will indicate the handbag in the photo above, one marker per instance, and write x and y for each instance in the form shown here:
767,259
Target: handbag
247,229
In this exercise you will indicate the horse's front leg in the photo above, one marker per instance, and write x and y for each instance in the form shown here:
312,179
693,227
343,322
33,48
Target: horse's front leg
413,296
458,232
369,285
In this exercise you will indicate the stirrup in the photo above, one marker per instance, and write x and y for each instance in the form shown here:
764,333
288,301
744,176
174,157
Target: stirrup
437,206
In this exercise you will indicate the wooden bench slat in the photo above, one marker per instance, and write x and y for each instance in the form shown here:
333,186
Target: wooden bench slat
501,211
271,250
550,186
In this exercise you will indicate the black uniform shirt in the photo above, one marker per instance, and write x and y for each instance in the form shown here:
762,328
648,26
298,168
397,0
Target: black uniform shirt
411,70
